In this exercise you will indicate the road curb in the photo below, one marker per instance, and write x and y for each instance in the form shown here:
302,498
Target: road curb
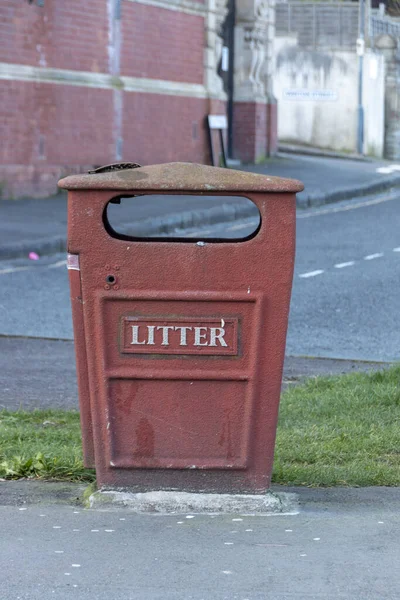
305,200
43,247
320,152
162,502
178,222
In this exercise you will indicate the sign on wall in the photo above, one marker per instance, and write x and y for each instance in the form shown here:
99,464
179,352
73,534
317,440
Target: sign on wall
312,95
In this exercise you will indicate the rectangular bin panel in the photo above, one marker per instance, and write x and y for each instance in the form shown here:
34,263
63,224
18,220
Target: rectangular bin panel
178,424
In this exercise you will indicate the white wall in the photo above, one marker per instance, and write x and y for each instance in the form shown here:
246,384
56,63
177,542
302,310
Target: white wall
317,95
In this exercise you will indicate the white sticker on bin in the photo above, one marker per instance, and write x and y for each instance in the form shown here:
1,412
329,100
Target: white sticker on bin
73,262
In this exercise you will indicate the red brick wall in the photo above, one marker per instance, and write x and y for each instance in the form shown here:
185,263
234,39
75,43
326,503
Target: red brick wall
164,128
169,46
72,34
272,122
50,129
250,131
54,124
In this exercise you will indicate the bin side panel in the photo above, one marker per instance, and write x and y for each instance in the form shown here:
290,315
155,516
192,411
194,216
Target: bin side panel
81,360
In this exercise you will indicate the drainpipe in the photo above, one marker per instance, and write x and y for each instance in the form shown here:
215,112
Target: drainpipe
360,52
231,19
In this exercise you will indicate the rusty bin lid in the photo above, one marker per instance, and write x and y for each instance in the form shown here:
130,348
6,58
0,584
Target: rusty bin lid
180,177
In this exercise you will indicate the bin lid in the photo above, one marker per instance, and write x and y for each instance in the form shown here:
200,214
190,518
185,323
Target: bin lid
180,177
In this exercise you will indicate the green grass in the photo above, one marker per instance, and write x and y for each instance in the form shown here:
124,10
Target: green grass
42,443
333,431
340,431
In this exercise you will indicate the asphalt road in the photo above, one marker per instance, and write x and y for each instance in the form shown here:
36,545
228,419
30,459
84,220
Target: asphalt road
345,295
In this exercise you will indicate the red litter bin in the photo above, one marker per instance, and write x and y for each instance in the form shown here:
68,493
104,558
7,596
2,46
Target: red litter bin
179,343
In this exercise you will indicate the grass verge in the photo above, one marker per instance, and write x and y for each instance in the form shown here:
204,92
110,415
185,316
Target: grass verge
333,431
340,431
42,443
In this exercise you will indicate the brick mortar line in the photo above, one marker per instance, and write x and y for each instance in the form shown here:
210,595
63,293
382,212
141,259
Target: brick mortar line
147,85
189,7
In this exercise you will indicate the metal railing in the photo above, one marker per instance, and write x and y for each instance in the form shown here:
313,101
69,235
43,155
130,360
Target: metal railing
381,24
319,24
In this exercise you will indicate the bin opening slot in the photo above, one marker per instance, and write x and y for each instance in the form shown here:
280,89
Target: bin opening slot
183,218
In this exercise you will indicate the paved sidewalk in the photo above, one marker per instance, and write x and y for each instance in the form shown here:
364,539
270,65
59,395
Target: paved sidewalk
40,225
340,544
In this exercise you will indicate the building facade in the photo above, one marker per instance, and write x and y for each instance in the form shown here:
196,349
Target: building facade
89,82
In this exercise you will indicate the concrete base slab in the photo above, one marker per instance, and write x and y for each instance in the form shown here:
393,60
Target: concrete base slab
183,502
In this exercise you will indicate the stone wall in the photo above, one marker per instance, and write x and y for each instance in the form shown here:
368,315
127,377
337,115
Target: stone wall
317,91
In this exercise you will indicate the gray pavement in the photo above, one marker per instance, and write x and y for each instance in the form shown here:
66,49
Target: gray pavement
40,225
343,544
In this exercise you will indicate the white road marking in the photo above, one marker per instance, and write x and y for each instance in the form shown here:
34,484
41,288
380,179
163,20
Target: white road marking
13,270
237,227
372,256
345,264
241,226
388,169
200,233
311,273
56,265
349,263
352,206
